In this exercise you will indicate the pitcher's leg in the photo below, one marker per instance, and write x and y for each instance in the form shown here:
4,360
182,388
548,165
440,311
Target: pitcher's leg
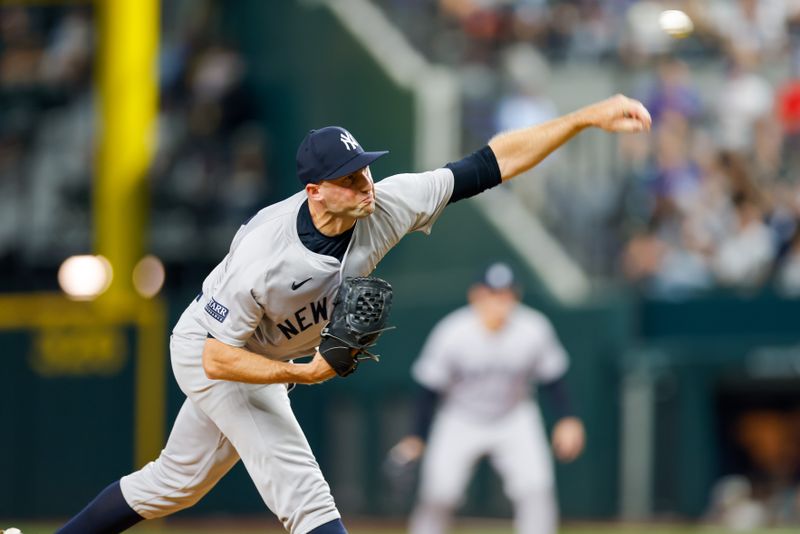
258,420
108,513
196,457
331,527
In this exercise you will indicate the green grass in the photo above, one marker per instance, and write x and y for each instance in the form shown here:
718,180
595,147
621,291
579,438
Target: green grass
489,528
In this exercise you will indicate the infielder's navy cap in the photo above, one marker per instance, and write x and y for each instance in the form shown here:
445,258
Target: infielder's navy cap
499,276
329,153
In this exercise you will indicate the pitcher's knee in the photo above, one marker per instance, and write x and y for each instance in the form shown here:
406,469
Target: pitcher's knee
161,488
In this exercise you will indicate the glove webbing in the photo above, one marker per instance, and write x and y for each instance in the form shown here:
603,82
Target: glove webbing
369,355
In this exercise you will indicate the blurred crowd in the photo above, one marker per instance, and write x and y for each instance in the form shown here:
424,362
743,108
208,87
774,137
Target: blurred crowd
46,131
712,197
627,31
210,170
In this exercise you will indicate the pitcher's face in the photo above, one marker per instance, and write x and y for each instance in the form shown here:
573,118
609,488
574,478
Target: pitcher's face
352,195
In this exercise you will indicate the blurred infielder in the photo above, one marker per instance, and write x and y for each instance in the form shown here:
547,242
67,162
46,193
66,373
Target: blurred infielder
479,363
268,301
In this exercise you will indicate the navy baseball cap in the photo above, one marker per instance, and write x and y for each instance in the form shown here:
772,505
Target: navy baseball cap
329,153
499,276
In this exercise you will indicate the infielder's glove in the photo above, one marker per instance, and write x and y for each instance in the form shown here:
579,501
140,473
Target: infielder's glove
360,313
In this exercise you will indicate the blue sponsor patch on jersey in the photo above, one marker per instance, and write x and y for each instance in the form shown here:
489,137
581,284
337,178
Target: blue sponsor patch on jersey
216,310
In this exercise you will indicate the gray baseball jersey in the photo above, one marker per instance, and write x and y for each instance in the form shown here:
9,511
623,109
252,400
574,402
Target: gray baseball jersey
486,374
273,296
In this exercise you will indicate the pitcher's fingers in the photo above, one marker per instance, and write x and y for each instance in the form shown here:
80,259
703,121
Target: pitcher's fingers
631,125
636,110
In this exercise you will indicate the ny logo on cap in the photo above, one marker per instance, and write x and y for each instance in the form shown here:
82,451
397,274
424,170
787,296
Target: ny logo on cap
349,141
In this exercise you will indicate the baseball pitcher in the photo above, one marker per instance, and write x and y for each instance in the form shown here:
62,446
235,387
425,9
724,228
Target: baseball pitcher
270,300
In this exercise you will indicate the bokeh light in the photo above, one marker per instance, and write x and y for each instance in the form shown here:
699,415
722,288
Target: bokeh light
85,277
148,276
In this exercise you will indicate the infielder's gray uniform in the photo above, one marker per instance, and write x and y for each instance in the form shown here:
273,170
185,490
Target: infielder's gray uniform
485,380
272,296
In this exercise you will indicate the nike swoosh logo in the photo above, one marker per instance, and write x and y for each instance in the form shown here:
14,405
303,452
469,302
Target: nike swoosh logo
296,285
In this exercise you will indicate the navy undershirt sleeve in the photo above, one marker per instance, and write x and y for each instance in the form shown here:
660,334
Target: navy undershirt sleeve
424,408
559,396
474,174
